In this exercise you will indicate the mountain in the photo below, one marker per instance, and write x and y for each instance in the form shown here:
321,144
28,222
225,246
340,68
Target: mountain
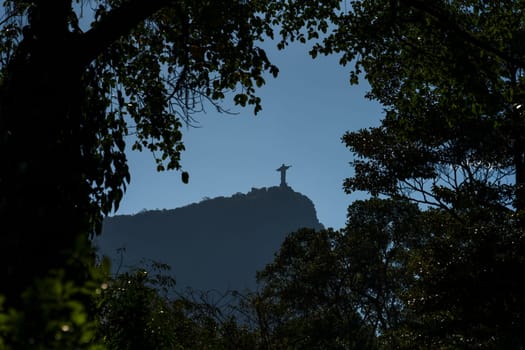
217,243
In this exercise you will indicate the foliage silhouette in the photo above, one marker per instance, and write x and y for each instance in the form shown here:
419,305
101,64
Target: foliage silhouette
450,77
342,289
139,310
71,93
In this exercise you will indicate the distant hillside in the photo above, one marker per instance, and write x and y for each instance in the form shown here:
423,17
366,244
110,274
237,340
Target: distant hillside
218,243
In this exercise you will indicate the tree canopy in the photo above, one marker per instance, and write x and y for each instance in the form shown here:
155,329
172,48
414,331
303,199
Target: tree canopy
449,75
342,289
76,78
70,93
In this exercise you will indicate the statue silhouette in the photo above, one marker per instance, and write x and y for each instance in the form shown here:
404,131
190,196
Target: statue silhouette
283,169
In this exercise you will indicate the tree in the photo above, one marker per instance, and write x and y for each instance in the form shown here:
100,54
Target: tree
449,74
450,77
377,247
347,289
140,309
452,138
396,277
71,93
135,313
305,300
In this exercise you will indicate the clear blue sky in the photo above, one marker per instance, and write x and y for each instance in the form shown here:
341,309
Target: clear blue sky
305,112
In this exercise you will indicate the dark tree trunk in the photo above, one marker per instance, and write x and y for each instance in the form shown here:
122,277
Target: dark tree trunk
41,179
46,202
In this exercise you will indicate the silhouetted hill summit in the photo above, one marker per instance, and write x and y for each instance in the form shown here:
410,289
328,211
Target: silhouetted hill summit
217,243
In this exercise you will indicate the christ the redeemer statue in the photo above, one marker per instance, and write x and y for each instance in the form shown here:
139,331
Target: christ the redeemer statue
283,169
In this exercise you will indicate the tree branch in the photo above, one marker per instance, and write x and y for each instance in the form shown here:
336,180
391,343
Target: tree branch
446,21
117,23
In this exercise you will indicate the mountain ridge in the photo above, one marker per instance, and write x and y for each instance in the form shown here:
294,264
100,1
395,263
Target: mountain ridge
217,243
